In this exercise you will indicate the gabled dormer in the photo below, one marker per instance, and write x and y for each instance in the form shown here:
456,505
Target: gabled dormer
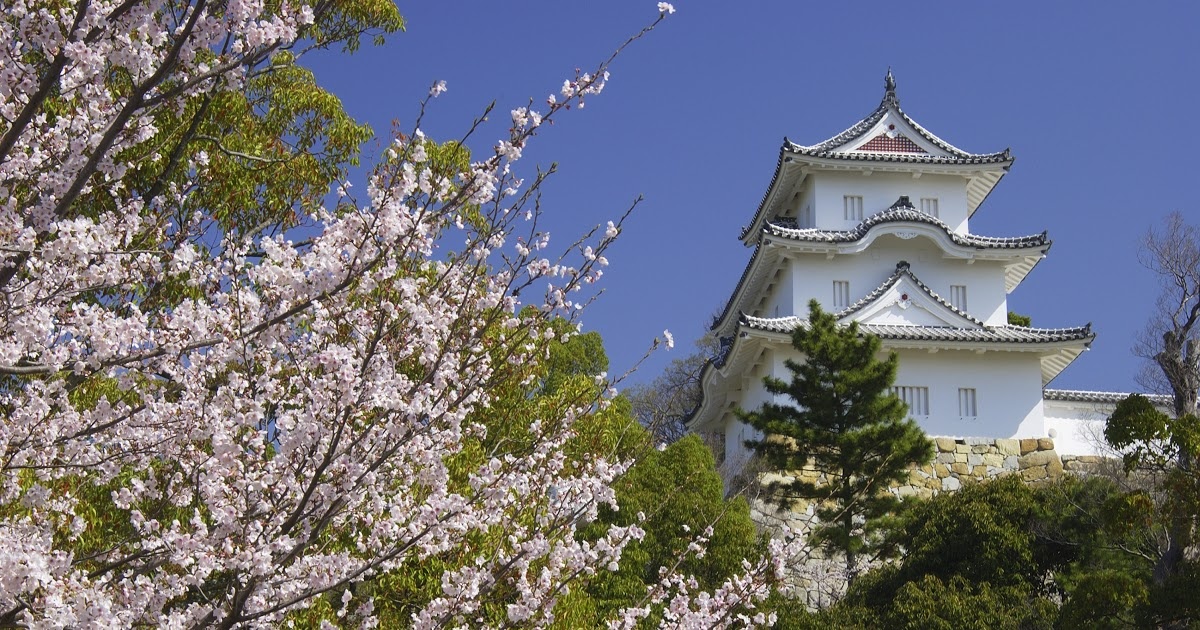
903,300
814,185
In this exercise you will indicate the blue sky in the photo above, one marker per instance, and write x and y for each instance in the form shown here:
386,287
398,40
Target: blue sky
1096,100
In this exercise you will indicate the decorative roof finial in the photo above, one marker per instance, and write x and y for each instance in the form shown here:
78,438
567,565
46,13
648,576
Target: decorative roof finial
889,96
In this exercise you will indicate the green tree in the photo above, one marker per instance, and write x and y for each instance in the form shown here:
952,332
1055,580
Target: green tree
1017,319
1001,554
1154,442
1171,341
677,493
844,423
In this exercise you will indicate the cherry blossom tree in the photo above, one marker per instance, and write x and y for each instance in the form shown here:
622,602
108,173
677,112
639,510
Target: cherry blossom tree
209,423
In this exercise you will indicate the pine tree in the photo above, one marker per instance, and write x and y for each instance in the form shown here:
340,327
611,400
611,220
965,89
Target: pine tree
844,423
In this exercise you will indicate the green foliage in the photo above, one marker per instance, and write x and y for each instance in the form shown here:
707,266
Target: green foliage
678,492
844,423
1017,319
1174,602
1152,440
793,615
983,533
1142,432
1104,599
959,604
1000,554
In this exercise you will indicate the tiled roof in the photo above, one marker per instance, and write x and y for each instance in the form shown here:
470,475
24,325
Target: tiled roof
902,270
827,148
886,152
987,334
786,228
1073,395
913,158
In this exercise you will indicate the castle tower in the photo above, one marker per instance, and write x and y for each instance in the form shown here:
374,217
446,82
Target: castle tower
874,224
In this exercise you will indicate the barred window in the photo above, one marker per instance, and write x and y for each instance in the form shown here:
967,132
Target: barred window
853,207
929,205
966,403
917,399
841,294
958,296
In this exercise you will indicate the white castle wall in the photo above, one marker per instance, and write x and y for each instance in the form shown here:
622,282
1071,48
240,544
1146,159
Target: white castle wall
1077,427
812,276
1008,396
880,190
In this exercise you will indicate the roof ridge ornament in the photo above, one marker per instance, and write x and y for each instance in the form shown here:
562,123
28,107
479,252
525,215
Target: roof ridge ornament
889,89
902,202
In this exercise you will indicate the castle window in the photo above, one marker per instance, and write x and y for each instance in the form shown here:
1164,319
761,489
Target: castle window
929,205
841,294
853,207
958,296
917,399
966,403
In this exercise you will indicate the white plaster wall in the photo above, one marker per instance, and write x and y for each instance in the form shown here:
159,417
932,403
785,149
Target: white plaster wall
781,301
1077,428
1008,395
796,207
813,277
754,394
1008,388
880,190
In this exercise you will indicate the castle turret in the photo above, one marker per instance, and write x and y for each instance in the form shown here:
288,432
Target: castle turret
874,224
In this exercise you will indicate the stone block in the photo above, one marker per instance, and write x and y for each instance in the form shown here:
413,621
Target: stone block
1008,447
962,448
944,445
960,468
933,483
906,491
982,448
1012,462
1045,444
978,441
994,471
974,459
1054,467
979,471
1039,458
993,459
950,484
1034,474
944,458
1028,446
960,458
1090,459
940,470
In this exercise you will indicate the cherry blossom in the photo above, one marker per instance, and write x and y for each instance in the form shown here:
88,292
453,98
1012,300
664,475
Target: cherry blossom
265,418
